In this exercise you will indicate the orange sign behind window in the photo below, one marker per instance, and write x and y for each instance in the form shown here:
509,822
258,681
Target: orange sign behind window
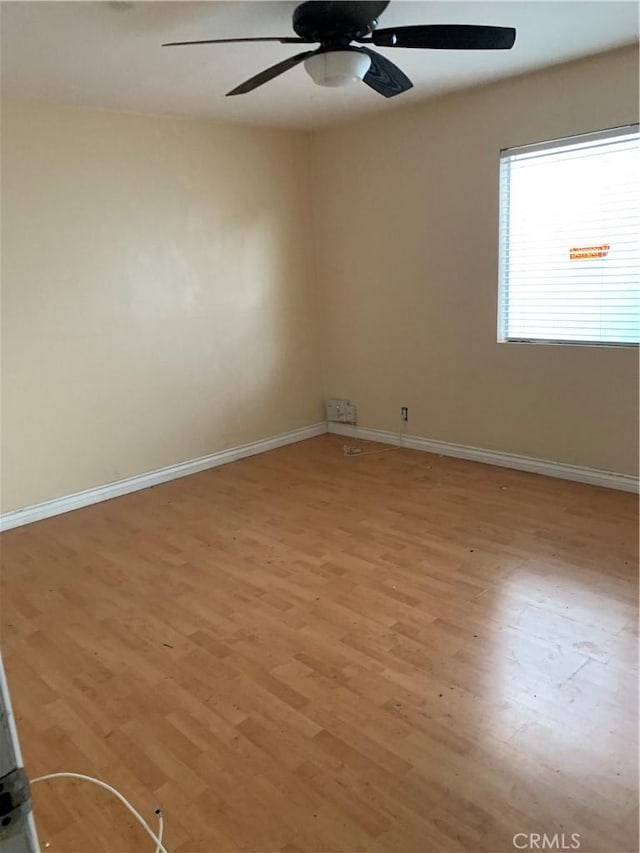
581,253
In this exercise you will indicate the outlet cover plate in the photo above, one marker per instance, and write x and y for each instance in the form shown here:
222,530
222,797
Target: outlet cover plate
341,411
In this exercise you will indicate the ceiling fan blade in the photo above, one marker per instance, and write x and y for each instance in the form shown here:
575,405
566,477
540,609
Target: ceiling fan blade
282,40
446,37
270,73
385,77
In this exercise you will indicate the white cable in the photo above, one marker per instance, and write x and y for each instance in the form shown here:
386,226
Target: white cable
351,450
160,848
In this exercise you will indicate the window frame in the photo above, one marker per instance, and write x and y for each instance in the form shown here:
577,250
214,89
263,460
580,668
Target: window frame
533,147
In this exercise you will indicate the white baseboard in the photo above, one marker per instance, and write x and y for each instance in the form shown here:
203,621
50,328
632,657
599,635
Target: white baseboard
593,476
142,481
57,506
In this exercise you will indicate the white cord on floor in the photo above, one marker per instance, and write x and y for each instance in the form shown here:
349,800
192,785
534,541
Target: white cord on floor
160,848
354,450
351,450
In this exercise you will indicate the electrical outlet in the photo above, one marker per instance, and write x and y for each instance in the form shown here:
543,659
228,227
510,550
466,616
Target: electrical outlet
404,413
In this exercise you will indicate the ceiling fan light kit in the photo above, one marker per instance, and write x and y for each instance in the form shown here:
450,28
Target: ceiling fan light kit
337,67
335,24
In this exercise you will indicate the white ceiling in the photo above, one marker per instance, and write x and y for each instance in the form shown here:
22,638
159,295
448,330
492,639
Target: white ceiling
108,54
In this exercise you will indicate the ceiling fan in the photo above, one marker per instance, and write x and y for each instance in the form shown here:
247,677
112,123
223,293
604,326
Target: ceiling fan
335,24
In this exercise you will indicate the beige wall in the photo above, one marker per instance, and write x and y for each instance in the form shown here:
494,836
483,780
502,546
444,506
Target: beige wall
157,299
160,298
407,222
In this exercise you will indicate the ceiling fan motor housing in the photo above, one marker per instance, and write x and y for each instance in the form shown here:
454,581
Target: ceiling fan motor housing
334,23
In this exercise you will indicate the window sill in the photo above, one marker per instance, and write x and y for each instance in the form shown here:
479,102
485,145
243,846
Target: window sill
562,343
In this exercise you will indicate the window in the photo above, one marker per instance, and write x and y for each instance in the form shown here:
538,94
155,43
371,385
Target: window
570,240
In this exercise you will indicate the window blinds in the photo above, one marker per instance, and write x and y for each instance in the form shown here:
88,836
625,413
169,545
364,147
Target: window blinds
570,240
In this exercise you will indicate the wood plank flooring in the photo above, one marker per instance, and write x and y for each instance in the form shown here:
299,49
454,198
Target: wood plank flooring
303,651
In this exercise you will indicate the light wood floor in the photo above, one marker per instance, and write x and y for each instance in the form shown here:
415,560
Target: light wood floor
307,652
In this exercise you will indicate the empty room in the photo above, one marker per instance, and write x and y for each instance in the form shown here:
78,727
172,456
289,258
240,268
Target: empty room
320,426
